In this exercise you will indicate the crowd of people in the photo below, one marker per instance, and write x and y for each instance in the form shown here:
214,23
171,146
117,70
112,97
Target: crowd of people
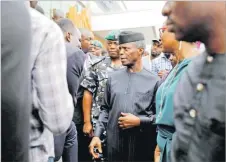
65,97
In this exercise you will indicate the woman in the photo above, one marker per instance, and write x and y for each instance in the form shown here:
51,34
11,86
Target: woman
181,52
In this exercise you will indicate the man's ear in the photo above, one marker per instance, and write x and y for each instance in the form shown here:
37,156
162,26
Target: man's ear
141,51
68,36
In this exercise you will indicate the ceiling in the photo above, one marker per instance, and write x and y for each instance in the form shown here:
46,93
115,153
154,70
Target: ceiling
110,7
149,33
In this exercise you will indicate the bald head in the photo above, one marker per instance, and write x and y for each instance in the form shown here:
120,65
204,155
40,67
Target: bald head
71,33
86,33
57,14
66,25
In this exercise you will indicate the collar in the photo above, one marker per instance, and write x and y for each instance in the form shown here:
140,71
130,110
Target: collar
162,55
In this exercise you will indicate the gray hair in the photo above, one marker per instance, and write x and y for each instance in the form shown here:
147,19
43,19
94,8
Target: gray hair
140,44
58,13
85,32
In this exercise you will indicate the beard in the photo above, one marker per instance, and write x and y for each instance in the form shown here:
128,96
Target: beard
196,32
155,54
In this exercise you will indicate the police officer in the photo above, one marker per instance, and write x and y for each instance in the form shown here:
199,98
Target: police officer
95,82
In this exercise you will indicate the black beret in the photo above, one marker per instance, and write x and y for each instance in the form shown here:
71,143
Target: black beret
129,36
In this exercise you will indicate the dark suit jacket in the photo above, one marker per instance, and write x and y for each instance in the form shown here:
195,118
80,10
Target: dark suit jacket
75,64
15,79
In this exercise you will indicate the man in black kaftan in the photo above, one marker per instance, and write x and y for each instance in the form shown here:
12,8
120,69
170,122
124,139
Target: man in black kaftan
128,111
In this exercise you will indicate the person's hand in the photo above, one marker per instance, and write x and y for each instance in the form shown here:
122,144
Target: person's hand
88,129
162,73
95,143
128,120
157,154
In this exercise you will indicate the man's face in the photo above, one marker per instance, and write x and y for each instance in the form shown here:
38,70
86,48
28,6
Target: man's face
155,50
113,49
91,48
130,54
98,52
95,50
188,19
85,42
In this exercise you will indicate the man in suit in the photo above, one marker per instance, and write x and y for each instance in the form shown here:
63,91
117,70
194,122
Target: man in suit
66,145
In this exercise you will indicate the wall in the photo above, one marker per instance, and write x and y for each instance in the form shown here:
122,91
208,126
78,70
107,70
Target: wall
127,20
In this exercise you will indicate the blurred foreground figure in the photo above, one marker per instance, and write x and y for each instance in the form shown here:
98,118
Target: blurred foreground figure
128,109
52,106
199,101
57,15
15,79
40,9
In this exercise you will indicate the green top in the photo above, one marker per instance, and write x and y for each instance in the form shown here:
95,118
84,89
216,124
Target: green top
165,93
164,109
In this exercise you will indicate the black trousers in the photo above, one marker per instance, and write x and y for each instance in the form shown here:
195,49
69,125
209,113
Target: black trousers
66,145
83,145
